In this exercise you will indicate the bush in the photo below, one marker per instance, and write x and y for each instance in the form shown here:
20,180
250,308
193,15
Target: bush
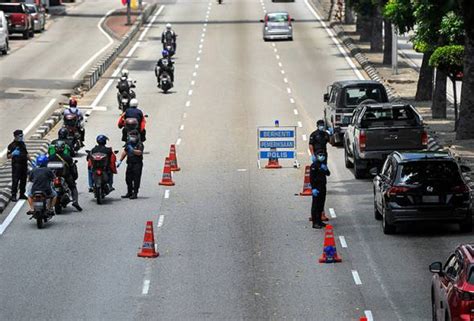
450,59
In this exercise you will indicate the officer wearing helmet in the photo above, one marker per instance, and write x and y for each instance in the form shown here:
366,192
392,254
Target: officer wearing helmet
168,36
133,151
165,64
19,156
102,148
133,113
73,110
42,178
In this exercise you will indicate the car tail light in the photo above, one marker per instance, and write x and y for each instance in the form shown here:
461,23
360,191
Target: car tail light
460,189
289,20
338,118
57,181
362,140
98,172
424,138
395,190
266,20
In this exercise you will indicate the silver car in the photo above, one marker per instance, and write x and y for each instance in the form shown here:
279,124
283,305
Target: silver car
39,16
277,25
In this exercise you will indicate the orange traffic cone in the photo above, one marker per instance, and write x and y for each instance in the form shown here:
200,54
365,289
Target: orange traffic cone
273,163
363,319
167,178
173,159
148,249
307,183
329,248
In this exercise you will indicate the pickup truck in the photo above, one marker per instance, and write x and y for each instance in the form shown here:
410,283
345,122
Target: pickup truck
376,130
343,97
19,20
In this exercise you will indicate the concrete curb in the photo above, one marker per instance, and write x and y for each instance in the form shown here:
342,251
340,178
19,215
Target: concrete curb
96,72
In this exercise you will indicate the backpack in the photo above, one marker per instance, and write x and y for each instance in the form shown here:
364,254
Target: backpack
169,36
123,85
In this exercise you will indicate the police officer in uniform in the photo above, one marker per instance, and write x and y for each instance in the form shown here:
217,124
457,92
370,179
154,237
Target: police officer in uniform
318,178
18,153
133,151
318,140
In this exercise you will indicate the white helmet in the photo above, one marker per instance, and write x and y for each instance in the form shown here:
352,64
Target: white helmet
168,26
134,103
125,73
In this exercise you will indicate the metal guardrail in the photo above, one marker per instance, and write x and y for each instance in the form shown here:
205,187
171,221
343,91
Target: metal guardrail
99,69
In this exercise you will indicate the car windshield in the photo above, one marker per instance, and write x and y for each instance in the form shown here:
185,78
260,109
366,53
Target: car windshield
278,17
421,172
354,96
11,8
396,115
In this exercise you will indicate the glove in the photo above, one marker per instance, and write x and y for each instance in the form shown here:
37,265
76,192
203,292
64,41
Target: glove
315,192
118,163
16,152
130,148
324,167
331,131
313,158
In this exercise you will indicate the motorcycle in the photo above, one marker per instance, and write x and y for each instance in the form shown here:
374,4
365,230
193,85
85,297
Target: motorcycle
170,48
219,1
71,123
100,175
64,194
165,82
124,101
40,207
132,125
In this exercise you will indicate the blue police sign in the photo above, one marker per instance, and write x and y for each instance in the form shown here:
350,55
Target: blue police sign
277,142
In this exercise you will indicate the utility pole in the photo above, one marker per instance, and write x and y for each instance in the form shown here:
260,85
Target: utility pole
394,50
129,19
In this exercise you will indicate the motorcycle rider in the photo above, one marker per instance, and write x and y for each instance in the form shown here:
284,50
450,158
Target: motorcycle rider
101,148
133,151
133,112
124,86
70,173
62,136
168,36
165,64
42,181
18,153
72,109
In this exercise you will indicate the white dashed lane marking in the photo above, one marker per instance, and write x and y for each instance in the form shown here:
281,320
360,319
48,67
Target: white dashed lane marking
356,277
178,141
304,137
332,213
295,111
342,239
146,287
161,220
167,193
300,124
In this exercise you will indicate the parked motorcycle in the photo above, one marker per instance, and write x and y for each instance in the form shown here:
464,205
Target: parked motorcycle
64,194
40,207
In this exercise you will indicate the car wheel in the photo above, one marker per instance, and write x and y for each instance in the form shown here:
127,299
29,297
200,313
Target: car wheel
347,161
358,172
466,224
26,34
291,38
387,227
378,216
32,32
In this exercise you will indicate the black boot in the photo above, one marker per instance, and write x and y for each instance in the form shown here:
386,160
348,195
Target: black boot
134,196
128,195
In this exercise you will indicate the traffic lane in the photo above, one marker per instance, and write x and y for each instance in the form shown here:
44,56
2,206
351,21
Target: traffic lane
118,223
229,216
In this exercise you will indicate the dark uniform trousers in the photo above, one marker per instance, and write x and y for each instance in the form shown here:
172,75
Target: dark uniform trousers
133,176
317,206
19,176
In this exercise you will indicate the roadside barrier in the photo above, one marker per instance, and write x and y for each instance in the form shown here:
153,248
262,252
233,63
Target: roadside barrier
148,248
173,159
167,179
329,247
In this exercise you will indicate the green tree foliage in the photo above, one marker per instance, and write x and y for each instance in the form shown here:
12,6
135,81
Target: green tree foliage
450,58
400,13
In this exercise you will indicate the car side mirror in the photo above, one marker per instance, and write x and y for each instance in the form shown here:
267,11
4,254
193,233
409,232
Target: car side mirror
436,267
292,19
76,161
146,116
465,169
116,151
326,97
261,20
88,151
374,171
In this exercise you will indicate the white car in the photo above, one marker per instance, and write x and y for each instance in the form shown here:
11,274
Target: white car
3,34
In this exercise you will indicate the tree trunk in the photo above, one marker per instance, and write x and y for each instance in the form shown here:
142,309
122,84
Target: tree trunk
387,47
438,105
364,27
466,115
348,14
424,88
376,39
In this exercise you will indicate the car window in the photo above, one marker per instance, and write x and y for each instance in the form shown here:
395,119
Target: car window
354,96
449,265
423,172
397,115
1,21
31,9
332,96
389,170
470,278
278,17
11,8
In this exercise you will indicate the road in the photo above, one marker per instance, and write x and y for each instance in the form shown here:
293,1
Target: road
235,241
43,69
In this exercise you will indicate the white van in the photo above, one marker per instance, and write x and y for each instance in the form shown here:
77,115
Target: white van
3,34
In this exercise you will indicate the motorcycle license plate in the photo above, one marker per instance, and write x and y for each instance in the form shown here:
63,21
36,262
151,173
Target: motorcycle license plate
38,204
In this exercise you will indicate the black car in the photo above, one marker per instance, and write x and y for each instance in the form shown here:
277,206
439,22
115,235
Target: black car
422,186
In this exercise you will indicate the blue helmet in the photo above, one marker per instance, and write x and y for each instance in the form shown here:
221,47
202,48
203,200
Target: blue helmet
101,139
42,160
165,53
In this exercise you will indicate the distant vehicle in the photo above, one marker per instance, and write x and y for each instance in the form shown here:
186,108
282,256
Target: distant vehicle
376,130
283,0
341,99
39,17
3,34
19,20
422,186
277,25
452,290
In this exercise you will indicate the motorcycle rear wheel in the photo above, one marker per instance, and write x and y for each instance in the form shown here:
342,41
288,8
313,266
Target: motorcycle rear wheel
39,222
58,208
98,195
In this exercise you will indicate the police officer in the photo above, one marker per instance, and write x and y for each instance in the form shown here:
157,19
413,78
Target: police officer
318,140
318,177
18,153
133,151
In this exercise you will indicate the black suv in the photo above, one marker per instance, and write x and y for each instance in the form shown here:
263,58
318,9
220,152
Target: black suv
422,186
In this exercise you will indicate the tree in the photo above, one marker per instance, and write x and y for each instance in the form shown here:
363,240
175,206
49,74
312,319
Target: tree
466,119
369,22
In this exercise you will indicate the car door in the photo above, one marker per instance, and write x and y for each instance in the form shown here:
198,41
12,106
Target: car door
446,282
386,179
351,130
331,107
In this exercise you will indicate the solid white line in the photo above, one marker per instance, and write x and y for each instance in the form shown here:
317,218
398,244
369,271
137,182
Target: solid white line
146,287
304,137
181,128
188,103
295,111
292,100
160,221
356,277
368,315
11,216
300,124
336,42
190,92
178,142
109,38
332,212
342,239
288,89
285,80
167,193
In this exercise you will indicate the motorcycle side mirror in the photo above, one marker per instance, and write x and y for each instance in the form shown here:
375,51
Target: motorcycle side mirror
88,151
86,115
326,97
146,116
76,161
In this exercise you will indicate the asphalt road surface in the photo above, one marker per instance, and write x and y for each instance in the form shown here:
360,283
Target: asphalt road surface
235,241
